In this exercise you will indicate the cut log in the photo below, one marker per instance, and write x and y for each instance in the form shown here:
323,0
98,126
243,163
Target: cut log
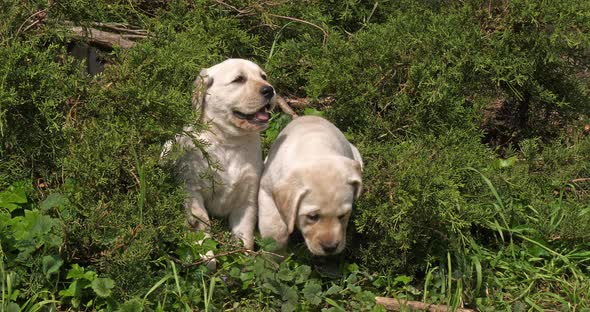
392,304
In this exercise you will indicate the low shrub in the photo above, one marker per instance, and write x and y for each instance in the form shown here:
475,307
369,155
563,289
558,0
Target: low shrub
469,117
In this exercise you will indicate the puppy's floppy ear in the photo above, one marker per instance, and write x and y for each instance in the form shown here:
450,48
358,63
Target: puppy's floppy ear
355,179
287,196
200,86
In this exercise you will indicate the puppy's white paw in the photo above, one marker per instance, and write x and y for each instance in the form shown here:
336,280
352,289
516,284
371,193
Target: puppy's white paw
209,256
211,262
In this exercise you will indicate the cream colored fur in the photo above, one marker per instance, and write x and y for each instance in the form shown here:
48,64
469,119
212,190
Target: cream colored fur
311,177
224,94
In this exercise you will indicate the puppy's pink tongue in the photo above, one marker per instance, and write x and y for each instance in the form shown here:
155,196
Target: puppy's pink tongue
262,116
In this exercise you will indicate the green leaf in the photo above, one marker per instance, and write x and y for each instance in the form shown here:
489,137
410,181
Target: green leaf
352,268
77,272
334,304
378,308
287,307
12,307
312,112
132,305
13,197
246,278
235,272
333,290
103,286
312,292
285,273
185,254
51,264
402,279
209,245
289,294
506,163
272,286
267,243
54,200
72,291
302,272
33,224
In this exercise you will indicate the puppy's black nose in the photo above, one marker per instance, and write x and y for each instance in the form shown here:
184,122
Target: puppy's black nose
330,247
267,91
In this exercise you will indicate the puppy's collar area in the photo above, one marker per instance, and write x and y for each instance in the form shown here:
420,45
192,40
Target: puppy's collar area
261,115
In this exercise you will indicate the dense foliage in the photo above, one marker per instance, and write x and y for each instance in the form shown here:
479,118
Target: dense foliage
473,119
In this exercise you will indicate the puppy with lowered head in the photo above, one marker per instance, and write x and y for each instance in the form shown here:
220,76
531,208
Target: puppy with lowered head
234,99
310,180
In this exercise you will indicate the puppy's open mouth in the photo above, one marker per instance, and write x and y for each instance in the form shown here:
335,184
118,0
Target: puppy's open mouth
260,116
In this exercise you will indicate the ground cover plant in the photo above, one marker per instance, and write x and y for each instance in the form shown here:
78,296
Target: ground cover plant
472,118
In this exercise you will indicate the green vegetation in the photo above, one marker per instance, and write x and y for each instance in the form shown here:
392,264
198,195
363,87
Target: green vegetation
470,116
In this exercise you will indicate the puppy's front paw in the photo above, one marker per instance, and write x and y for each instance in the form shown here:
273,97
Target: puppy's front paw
210,261
195,224
209,257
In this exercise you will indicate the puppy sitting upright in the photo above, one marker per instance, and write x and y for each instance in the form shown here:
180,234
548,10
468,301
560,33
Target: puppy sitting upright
310,180
234,100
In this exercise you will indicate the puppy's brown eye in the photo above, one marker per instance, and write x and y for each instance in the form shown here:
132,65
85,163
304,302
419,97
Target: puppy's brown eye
263,76
342,217
239,79
313,217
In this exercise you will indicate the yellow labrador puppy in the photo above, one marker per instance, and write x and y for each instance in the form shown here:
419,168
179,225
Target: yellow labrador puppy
234,99
310,180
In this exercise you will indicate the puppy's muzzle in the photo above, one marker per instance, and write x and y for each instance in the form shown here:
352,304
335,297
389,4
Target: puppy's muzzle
260,116
329,247
267,91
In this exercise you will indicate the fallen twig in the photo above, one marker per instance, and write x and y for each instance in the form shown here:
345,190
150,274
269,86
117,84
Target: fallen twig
105,38
304,102
243,12
122,28
240,12
39,17
392,304
285,107
294,19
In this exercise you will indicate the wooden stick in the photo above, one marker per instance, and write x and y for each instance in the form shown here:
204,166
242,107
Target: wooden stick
285,107
102,38
392,304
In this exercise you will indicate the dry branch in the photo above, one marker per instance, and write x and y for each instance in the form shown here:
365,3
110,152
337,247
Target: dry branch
118,27
38,17
392,304
298,102
253,10
104,38
285,107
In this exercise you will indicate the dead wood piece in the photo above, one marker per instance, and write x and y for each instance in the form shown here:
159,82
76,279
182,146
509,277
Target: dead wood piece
285,107
392,304
103,38
122,28
299,102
